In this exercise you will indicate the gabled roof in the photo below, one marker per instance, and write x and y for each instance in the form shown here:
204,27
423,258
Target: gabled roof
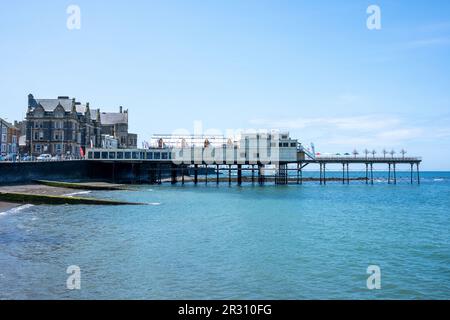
50,105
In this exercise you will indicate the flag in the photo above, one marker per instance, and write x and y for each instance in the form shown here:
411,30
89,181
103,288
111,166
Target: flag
81,152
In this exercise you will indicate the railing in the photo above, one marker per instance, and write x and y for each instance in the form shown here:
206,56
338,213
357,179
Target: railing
350,158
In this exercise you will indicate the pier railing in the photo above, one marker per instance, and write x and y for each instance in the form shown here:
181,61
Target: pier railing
368,159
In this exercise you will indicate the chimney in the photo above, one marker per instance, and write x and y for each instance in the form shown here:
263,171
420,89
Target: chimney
87,108
30,101
120,108
74,108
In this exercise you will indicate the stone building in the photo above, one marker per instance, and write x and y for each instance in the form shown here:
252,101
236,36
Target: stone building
61,126
115,124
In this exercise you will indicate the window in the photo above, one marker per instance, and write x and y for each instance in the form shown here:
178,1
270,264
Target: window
90,155
149,155
293,144
119,155
58,124
97,155
157,155
3,148
127,155
58,148
104,155
112,155
37,148
164,155
135,155
56,136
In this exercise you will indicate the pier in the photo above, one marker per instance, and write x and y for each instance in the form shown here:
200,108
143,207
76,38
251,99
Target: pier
254,158
157,163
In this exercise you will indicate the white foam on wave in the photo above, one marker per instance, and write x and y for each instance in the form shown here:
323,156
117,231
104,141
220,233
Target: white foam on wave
154,203
77,193
16,209
438,179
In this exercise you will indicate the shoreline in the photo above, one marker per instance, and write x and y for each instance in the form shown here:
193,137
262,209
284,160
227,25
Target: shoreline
6,206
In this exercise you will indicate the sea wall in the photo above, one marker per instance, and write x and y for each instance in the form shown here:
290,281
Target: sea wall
26,172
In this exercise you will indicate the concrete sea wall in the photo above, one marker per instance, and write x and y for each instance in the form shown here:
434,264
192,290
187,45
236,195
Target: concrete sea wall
26,172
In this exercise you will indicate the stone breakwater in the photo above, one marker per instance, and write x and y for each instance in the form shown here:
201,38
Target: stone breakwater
51,195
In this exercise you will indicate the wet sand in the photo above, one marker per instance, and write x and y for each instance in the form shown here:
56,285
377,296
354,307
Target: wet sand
5,206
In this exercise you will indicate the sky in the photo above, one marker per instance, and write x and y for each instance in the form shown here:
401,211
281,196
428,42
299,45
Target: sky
312,68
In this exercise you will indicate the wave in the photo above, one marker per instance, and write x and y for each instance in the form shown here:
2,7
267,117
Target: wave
154,203
77,193
16,209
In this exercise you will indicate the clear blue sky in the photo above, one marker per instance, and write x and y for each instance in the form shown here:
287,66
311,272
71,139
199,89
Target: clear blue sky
311,67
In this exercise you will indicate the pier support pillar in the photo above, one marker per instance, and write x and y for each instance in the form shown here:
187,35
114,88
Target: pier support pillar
239,174
389,174
320,173
182,175
206,174
343,173
260,175
217,174
229,174
324,173
301,174
395,173
412,171
367,173
173,172
371,173
253,174
418,174
195,173
348,175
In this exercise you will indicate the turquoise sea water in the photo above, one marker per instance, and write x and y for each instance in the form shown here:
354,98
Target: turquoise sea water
249,242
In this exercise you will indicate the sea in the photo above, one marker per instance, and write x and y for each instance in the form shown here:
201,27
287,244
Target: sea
306,241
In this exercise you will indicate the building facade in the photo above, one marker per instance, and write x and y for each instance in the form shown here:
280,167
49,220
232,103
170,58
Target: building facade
4,127
12,138
61,126
115,124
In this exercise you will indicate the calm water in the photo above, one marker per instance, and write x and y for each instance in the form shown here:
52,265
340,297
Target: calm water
208,242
